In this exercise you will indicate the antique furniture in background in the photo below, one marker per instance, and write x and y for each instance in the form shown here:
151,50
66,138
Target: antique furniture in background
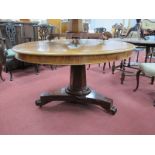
76,53
118,30
134,32
44,30
148,27
136,28
29,31
11,31
145,69
100,30
16,33
147,44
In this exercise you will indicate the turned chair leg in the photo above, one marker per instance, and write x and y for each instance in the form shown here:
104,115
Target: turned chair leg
137,79
122,76
152,79
11,77
151,55
113,67
53,67
88,67
129,62
109,65
137,58
122,66
104,66
1,68
36,67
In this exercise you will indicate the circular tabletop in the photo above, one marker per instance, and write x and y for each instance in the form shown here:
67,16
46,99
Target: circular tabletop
72,52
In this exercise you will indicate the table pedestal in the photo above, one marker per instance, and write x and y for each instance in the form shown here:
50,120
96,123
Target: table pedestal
78,92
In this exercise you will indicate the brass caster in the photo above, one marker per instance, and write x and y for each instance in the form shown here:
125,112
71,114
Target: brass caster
38,103
113,110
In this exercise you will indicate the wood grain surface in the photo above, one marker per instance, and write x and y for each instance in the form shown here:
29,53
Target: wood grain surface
73,52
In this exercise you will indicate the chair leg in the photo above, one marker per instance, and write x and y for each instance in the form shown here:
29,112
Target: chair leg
36,67
137,79
88,67
151,55
129,62
113,67
11,77
8,69
122,76
1,68
122,66
152,80
154,103
109,65
53,67
104,66
137,58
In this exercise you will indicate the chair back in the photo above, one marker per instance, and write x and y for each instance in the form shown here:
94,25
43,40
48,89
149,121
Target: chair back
82,35
100,30
28,32
44,31
12,33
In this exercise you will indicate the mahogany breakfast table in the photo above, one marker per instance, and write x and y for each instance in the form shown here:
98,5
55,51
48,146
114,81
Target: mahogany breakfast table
76,53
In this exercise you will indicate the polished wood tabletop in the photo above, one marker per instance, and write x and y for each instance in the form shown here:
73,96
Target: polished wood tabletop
72,52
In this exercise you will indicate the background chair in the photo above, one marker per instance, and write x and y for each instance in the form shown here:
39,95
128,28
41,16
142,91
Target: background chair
8,31
145,69
118,30
100,30
44,30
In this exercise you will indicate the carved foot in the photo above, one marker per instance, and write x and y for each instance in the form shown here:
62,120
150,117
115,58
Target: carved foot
109,108
100,100
39,103
113,110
